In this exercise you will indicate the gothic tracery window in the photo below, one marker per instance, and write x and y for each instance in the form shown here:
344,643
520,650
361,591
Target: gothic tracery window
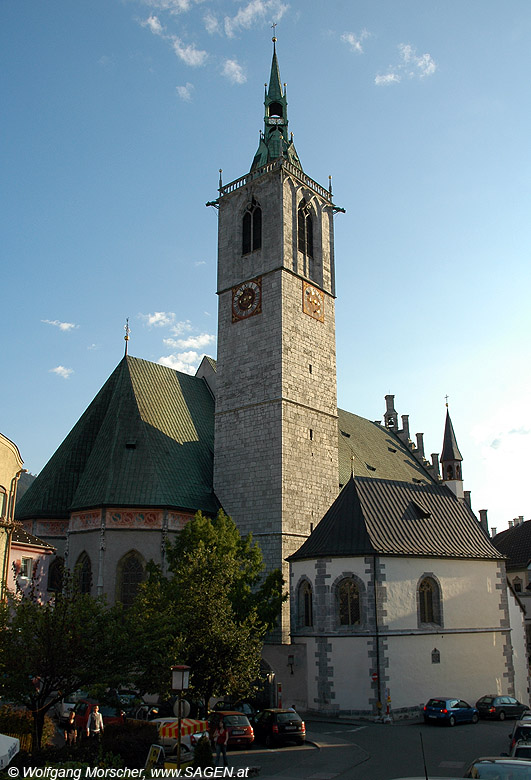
252,228
84,573
305,229
55,574
429,601
349,602
130,573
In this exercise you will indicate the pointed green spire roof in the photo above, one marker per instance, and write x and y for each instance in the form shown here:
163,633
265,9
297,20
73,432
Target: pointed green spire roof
450,450
275,141
146,440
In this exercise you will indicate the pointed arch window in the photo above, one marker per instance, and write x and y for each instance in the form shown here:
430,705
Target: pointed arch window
84,573
349,602
3,501
130,573
305,229
55,575
429,601
305,603
252,228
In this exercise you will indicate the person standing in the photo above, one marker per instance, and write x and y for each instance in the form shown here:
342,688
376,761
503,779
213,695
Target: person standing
221,737
95,723
70,729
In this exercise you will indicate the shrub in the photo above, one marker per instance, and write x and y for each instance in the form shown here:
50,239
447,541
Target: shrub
130,740
19,723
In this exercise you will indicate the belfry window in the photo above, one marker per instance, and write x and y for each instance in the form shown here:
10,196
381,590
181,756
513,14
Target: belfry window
349,602
252,228
429,601
305,229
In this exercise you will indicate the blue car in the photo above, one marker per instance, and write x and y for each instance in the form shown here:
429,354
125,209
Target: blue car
450,711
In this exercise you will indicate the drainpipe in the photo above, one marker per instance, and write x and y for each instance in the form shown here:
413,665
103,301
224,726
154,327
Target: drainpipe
377,636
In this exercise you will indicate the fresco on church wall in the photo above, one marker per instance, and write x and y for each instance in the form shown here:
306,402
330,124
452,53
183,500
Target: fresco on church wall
84,520
177,522
133,519
49,528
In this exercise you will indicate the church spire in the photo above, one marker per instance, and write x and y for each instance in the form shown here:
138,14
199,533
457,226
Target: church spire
275,141
451,458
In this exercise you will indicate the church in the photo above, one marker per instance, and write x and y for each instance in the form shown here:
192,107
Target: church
396,592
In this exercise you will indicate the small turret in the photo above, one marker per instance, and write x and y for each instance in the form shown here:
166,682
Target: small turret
275,142
451,459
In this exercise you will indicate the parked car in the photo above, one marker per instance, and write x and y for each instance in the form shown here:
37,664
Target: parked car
238,706
237,724
500,707
450,711
522,749
276,726
84,707
521,730
499,768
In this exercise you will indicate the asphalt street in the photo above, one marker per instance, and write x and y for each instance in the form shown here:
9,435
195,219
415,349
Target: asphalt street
367,751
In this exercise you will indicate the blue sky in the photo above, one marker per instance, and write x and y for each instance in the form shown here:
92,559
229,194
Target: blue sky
116,116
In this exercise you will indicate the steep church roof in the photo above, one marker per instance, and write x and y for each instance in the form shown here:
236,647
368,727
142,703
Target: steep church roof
147,439
390,517
515,543
450,450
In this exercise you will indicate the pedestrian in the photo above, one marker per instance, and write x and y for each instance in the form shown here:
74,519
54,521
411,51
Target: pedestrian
95,723
221,737
70,729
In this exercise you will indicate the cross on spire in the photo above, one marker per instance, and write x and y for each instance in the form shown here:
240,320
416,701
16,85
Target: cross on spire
127,332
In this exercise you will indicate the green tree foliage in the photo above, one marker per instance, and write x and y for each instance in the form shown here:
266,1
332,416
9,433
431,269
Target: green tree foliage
213,611
49,650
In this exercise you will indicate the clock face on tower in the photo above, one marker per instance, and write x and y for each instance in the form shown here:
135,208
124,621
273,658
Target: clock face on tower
247,299
313,301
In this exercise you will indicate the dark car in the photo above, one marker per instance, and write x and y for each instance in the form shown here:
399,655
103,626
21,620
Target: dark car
450,711
521,730
109,714
496,768
500,707
237,724
238,706
276,726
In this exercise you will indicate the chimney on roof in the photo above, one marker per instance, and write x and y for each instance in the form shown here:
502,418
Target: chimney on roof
510,523
493,532
435,463
420,444
468,500
405,425
483,520
520,519
390,416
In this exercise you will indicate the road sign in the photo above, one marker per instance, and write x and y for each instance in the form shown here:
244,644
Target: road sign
375,676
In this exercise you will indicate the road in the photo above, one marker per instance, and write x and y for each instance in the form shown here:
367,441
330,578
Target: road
366,751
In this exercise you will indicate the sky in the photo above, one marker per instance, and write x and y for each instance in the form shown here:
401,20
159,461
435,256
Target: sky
116,118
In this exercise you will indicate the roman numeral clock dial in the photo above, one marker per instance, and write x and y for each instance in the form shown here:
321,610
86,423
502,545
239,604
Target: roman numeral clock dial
246,299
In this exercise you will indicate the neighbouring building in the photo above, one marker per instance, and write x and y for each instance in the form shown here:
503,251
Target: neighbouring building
10,470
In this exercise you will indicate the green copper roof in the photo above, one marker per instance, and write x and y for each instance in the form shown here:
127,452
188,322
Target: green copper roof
275,141
147,439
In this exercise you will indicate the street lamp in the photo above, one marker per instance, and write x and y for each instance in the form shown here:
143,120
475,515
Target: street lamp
180,676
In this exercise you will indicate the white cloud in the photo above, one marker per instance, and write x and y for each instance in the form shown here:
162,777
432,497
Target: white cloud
159,319
211,23
187,362
411,65
200,262
423,65
64,326
184,326
154,25
62,371
254,11
234,72
193,342
185,92
172,6
388,78
189,54
355,41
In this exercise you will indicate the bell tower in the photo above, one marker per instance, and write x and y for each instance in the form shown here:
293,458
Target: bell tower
276,433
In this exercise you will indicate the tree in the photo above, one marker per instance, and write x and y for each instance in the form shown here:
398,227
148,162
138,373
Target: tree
50,650
214,610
